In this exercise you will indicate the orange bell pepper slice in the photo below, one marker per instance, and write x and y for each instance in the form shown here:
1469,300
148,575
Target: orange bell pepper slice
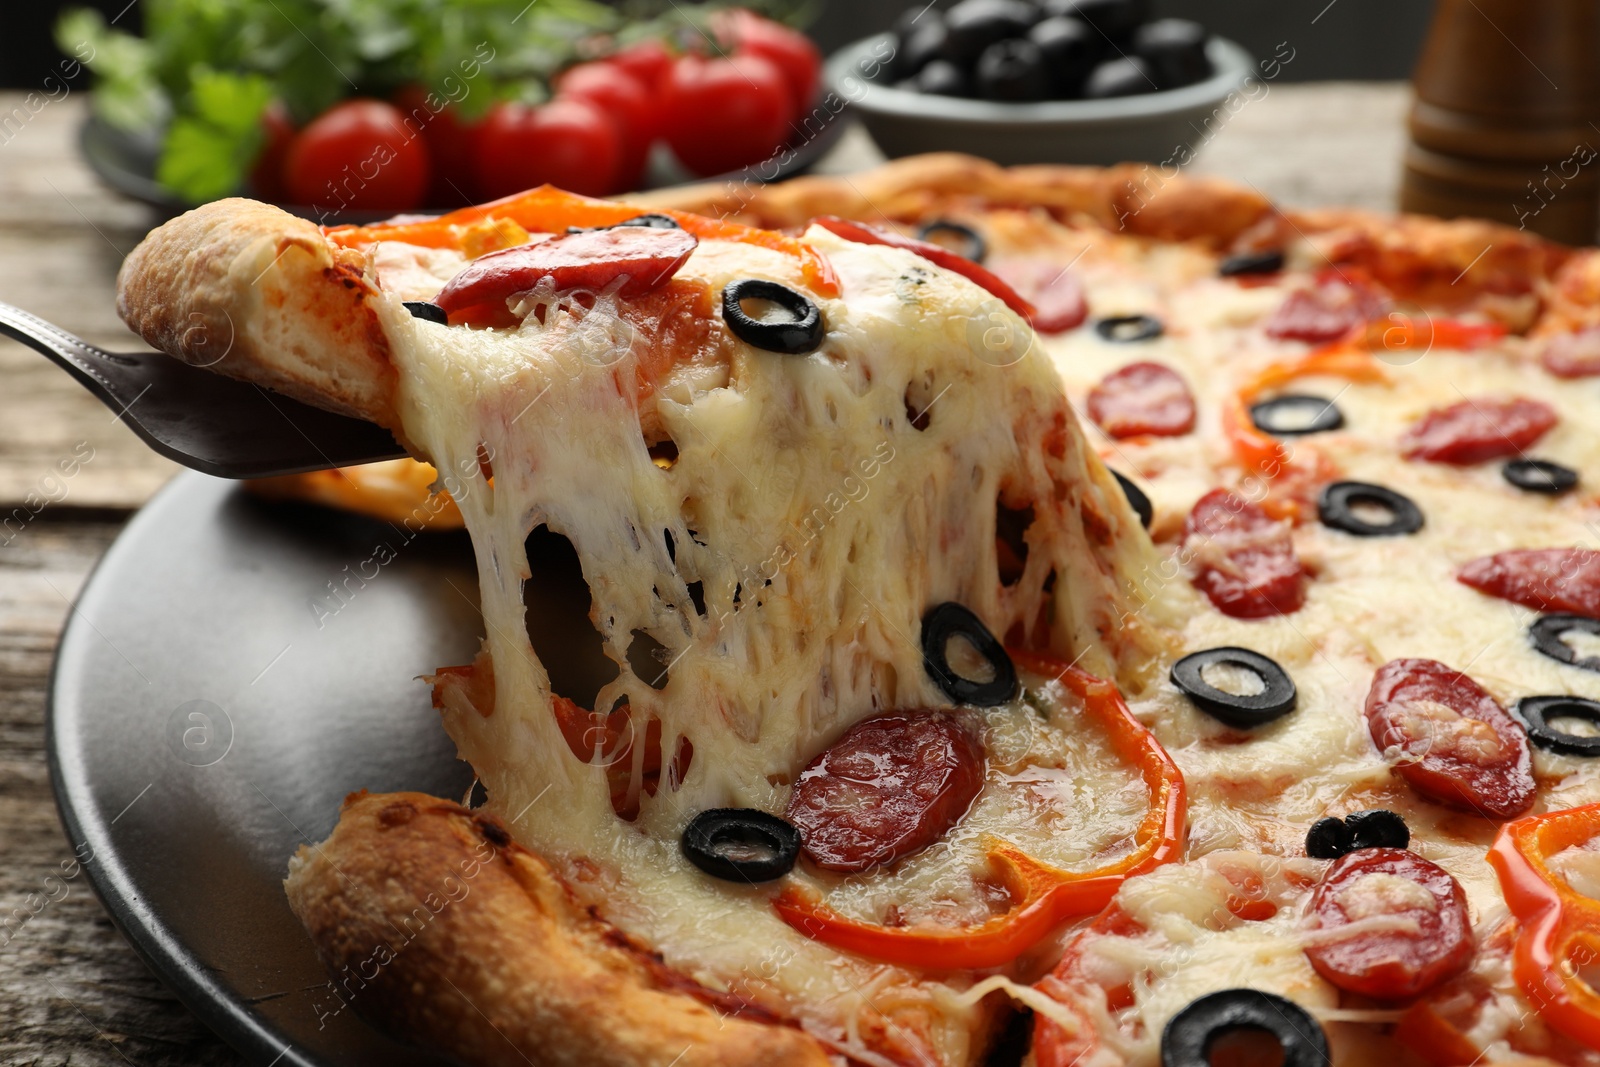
550,210
1043,897
1558,928
1262,452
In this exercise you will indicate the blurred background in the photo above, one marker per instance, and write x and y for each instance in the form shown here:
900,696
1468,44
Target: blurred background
1354,39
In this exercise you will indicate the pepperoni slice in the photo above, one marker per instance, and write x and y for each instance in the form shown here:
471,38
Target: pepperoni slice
890,786
938,255
1244,559
1333,307
1142,398
1573,355
1478,429
1056,295
647,258
1545,579
1456,744
1427,940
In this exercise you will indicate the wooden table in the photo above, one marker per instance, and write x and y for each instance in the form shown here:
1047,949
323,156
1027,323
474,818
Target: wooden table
71,991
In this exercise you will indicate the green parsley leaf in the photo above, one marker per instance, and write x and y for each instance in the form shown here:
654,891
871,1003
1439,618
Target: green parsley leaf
127,94
211,147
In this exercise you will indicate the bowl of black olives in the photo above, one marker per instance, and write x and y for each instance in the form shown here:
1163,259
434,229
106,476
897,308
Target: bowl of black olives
1041,81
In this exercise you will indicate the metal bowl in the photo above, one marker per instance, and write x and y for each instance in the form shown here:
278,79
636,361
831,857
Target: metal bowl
1153,127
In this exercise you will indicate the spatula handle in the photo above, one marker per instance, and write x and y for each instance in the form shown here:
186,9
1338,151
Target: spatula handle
94,368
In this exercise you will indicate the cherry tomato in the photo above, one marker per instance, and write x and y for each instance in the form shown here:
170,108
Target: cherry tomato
1142,398
1244,559
358,156
789,51
1478,429
890,786
592,259
1544,579
570,144
630,105
266,177
452,145
1457,745
722,114
648,61
1389,963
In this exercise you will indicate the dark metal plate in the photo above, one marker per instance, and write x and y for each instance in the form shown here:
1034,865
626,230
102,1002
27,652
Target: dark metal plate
216,605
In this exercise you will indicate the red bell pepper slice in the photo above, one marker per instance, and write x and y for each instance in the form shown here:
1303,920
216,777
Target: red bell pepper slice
1404,333
938,255
1043,897
1558,928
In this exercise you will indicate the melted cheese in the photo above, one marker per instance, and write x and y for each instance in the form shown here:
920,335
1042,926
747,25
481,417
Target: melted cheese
803,472
1369,600
820,524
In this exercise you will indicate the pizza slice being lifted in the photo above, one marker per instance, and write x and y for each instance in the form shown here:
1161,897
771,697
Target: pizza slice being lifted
780,463
901,719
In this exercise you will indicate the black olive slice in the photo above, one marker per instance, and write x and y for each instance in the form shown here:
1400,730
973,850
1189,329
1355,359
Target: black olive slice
1268,262
1130,329
421,309
802,331
1328,839
1539,476
651,221
1377,828
948,620
741,844
1136,499
1547,632
973,246
1537,712
1276,699
1189,1036
1317,414
1336,509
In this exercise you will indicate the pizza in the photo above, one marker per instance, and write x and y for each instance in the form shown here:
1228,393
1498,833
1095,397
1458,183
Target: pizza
1055,614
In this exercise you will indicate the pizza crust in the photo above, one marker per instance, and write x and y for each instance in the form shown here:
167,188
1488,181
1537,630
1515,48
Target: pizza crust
438,928
1450,263
1138,199
250,291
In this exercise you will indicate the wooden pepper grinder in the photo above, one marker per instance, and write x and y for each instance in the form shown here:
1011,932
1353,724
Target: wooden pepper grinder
1506,121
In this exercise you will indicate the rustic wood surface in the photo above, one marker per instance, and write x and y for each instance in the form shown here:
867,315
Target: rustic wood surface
71,991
